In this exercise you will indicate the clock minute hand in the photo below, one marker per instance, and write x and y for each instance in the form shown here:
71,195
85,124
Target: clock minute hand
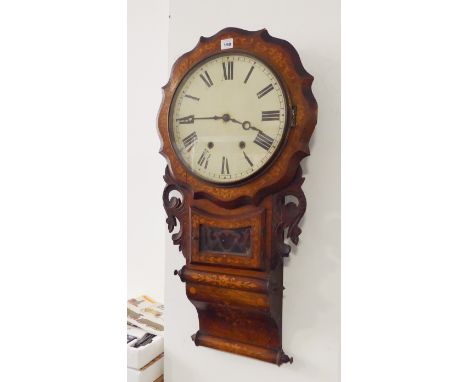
215,117
192,118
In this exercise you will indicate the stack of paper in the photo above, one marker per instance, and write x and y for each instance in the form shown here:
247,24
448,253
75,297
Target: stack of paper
145,340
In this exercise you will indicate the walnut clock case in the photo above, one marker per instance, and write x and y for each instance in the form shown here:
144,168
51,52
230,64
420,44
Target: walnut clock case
235,122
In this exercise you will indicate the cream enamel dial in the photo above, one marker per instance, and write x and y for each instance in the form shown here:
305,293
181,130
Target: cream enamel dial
228,118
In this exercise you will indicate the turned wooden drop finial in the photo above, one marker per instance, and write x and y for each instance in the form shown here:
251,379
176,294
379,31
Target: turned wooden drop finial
284,358
180,273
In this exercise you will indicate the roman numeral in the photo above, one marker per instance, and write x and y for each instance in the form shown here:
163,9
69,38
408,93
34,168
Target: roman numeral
248,75
265,91
192,97
206,79
202,158
186,120
228,70
270,115
225,166
263,140
190,139
248,159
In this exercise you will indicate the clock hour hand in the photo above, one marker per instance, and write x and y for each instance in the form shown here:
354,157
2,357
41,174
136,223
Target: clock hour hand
246,125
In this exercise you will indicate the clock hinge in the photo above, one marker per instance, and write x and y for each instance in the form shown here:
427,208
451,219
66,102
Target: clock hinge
293,116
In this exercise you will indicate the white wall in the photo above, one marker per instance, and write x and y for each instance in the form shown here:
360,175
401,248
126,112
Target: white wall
147,39
311,313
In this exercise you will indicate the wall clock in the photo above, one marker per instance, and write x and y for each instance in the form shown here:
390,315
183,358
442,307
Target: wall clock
235,122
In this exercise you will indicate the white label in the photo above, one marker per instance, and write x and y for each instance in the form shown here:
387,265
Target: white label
227,43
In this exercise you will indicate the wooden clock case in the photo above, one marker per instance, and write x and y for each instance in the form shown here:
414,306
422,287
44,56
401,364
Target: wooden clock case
233,236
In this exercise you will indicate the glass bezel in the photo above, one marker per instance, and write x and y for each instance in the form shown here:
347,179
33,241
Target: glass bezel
260,170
